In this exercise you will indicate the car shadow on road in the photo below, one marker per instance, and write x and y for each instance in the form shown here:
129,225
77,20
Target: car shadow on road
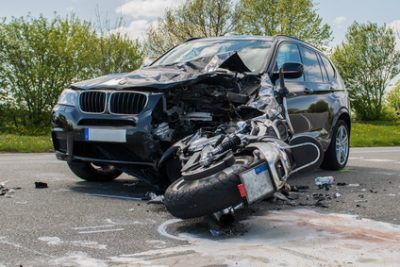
123,188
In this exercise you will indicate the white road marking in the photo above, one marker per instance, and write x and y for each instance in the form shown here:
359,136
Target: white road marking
115,196
362,151
101,231
93,227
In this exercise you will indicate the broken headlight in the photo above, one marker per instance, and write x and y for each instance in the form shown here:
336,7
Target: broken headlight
68,97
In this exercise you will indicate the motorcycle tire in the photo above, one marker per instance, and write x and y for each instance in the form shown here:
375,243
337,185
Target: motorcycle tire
190,199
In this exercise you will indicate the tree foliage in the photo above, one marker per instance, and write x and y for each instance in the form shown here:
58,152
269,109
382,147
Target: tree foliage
367,60
194,18
297,18
393,99
40,57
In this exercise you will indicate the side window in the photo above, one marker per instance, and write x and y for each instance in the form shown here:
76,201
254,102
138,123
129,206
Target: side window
312,69
288,52
329,69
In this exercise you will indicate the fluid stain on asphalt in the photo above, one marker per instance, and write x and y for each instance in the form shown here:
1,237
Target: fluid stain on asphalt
302,237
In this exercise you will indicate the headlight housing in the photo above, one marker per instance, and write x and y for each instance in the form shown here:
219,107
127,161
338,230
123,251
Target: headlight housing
68,97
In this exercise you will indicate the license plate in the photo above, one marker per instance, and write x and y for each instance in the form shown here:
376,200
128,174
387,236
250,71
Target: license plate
258,183
105,135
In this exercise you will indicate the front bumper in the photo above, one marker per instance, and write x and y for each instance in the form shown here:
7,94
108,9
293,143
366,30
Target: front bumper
68,134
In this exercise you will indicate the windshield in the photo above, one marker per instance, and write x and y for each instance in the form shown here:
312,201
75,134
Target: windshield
252,52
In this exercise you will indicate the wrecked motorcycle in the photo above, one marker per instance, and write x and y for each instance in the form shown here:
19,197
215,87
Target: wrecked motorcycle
243,161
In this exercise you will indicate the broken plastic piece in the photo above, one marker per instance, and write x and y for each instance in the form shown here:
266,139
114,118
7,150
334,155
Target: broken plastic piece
40,185
325,180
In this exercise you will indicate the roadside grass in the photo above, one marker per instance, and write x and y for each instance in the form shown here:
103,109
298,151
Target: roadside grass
363,134
25,144
375,133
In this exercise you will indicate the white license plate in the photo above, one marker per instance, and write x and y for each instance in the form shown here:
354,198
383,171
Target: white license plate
258,183
105,135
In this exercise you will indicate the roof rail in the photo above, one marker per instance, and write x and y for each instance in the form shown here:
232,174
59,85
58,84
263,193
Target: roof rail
193,38
287,36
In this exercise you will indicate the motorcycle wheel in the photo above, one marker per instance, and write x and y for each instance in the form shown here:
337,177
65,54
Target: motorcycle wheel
190,199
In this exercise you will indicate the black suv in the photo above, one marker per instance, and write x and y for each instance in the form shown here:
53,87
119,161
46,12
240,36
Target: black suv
129,122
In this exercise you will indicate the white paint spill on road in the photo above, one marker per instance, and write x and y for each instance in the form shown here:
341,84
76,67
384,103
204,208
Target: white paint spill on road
157,243
76,258
115,196
101,231
162,229
291,237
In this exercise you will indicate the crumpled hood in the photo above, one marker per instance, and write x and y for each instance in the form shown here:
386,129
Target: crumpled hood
164,77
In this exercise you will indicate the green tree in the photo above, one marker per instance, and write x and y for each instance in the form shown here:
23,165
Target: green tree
40,57
393,99
367,60
194,18
297,18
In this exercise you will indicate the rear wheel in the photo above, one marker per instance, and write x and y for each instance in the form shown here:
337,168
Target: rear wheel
94,172
195,198
338,152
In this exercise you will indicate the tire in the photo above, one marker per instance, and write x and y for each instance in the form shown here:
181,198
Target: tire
94,173
190,199
332,160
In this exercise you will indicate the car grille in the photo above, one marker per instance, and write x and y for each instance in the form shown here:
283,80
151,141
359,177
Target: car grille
127,102
93,101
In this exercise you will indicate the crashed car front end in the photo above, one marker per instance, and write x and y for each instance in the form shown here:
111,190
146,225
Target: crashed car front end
131,120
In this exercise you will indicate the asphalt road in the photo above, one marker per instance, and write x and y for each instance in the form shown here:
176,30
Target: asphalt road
75,223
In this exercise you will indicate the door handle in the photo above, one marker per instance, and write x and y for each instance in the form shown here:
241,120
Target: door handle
308,90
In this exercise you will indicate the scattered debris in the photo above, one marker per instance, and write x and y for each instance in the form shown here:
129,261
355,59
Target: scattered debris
157,200
7,192
353,185
40,185
297,188
337,195
391,195
324,180
149,196
360,200
341,184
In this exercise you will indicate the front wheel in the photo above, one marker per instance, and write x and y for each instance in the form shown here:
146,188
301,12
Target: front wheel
338,152
195,198
94,172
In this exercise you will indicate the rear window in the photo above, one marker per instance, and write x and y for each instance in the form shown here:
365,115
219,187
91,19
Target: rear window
329,68
312,69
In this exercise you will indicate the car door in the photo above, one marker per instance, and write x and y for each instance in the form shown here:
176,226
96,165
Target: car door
317,91
300,92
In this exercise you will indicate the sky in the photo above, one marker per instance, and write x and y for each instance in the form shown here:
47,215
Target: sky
140,14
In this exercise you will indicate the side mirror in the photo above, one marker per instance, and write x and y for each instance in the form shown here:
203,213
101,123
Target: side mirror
289,70
292,70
